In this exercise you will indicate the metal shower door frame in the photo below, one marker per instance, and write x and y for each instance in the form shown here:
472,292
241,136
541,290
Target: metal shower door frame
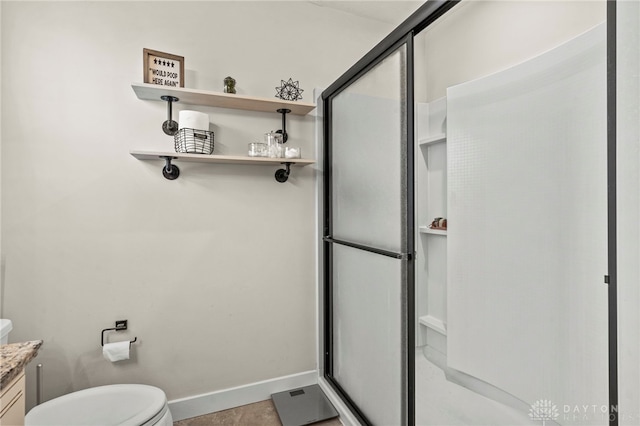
406,255
403,35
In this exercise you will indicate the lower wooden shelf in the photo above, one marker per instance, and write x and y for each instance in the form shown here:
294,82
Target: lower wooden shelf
169,172
214,158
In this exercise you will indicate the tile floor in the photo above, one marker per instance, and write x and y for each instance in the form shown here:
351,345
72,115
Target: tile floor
261,413
438,402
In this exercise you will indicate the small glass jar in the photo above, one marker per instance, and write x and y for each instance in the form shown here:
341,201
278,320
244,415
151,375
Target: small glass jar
292,152
257,149
275,147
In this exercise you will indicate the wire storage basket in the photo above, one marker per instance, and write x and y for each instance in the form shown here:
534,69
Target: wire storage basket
194,141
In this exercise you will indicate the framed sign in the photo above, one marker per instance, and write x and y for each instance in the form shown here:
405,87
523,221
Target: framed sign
162,68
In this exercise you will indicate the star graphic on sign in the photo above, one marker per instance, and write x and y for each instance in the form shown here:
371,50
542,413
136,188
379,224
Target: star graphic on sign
289,90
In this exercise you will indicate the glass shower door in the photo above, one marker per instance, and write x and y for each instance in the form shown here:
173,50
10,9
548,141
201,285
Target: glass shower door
368,241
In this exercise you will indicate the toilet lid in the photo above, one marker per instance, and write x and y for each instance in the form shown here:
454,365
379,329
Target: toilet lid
103,405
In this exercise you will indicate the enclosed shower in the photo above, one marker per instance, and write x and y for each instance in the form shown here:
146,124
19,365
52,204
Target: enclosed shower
467,220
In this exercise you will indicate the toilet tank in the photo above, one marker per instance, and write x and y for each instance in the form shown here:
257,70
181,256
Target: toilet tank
5,327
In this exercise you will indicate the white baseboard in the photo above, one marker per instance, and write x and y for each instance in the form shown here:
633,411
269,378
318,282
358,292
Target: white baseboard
198,405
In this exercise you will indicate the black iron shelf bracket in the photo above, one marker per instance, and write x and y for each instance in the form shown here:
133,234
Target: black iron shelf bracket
170,127
121,325
282,175
283,131
170,171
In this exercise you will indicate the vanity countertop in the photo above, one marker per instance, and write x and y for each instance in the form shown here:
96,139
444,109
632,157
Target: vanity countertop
13,358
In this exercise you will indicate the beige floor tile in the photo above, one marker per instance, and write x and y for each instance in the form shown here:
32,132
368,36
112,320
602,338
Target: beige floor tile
261,413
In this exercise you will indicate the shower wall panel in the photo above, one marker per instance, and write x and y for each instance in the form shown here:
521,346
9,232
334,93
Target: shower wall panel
527,237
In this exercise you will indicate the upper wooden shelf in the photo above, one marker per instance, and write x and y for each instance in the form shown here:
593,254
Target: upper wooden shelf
153,92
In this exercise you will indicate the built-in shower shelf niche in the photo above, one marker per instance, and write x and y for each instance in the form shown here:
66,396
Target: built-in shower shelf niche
432,140
434,324
431,203
427,230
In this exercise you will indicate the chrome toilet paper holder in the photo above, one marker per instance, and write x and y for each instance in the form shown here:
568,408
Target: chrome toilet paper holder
121,325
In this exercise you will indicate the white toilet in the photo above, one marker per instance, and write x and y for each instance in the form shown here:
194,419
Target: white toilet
130,405
5,327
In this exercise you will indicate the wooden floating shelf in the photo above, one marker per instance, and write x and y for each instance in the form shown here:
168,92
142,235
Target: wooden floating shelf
433,140
427,230
153,92
223,159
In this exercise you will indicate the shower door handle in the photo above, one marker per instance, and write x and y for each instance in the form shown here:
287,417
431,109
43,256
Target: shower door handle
395,255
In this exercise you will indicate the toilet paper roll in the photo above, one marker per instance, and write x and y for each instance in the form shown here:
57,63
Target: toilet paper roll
193,120
116,351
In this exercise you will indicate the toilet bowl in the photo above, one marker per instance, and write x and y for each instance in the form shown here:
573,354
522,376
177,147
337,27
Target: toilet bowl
130,405
5,327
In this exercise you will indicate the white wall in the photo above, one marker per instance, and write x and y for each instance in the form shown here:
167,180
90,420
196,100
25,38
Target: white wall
477,38
214,271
